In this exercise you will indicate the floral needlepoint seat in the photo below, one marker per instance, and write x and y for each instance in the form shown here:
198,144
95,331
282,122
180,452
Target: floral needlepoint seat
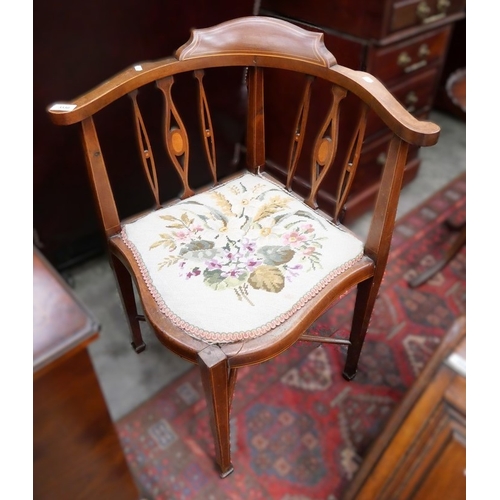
233,262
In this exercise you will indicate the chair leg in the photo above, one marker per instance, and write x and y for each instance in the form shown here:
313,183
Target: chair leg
365,301
218,382
126,290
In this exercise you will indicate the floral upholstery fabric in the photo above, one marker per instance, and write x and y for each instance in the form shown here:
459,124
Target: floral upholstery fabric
234,262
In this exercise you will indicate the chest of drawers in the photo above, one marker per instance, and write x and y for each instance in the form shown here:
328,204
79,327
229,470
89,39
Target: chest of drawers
403,43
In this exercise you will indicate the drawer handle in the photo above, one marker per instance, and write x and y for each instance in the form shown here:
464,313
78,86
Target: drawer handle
443,5
423,51
415,66
404,59
424,11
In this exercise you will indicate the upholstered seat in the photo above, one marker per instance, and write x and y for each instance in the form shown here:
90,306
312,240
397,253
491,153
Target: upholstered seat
233,262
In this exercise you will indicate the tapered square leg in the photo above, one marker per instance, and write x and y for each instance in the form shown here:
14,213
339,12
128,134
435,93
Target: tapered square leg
365,301
218,382
127,296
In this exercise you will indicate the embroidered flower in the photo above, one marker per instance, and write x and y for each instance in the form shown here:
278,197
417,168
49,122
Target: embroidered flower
308,251
293,239
232,273
248,245
195,272
292,271
182,235
252,263
213,264
184,273
232,256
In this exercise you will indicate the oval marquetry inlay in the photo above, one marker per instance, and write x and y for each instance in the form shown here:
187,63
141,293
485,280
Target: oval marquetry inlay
324,151
177,142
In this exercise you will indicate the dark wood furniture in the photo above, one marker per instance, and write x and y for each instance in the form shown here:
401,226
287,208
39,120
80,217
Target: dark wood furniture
421,452
201,259
402,43
76,450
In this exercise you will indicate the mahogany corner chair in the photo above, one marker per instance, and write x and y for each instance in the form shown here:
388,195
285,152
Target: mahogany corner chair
234,273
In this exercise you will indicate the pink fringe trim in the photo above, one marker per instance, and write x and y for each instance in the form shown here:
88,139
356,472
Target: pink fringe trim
227,338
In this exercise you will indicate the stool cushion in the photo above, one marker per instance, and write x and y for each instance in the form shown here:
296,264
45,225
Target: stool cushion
234,262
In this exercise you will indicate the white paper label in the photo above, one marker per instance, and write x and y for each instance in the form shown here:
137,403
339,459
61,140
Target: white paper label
457,363
63,107
138,67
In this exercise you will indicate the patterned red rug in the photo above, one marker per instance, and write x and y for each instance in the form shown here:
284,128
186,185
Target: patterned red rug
299,430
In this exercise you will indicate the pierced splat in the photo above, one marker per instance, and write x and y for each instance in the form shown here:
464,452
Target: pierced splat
298,136
351,164
145,150
207,130
176,138
326,146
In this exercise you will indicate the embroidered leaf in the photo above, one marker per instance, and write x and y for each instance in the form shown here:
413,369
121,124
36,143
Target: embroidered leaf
246,225
276,255
279,218
217,280
166,241
169,217
224,204
307,215
263,195
168,261
275,203
215,213
268,278
185,218
195,246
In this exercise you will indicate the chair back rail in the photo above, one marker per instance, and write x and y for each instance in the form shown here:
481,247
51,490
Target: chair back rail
254,43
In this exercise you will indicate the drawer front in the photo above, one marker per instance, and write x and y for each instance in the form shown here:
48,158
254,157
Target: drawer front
408,57
417,94
363,19
407,14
